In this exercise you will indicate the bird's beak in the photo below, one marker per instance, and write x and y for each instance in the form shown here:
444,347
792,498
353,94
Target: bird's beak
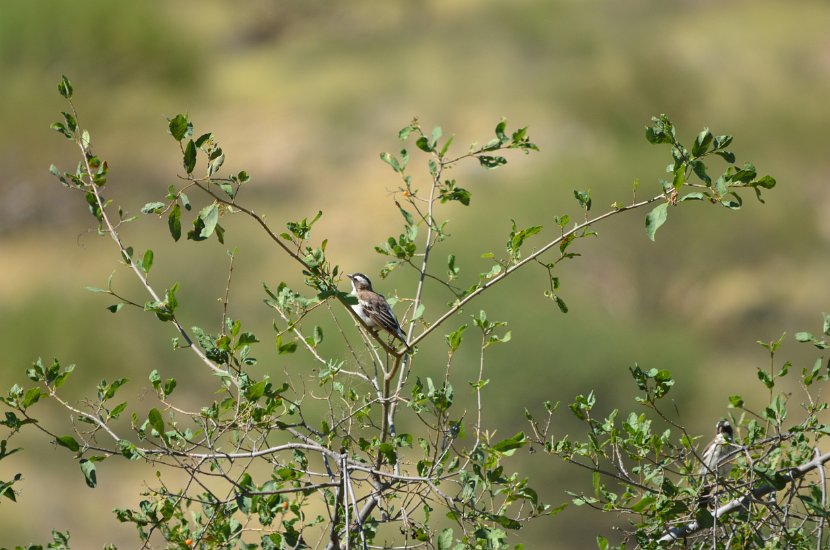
350,276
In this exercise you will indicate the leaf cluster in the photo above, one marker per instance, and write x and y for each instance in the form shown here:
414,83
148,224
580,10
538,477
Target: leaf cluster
365,450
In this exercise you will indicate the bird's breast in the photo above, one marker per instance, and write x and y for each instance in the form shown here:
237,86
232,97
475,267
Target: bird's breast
361,312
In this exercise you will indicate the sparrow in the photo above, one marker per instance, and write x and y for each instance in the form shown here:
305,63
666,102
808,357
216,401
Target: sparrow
716,452
373,309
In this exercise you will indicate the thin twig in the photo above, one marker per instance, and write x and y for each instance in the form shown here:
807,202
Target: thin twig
531,257
112,232
821,474
679,533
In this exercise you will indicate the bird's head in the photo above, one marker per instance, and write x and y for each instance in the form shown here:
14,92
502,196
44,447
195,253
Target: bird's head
724,428
360,281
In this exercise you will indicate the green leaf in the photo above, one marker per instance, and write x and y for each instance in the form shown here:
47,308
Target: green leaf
445,539
96,289
55,172
728,156
764,377
255,391
389,452
217,159
700,171
65,88
446,146
745,174
202,140
147,261
662,131
117,410
6,488
722,141
180,128
517,238
174,222
220,234
61,129
115,308
583,198
491,163
404,133
509,446
31,397
507,522
155,378
210,217
289,347
152,208
419,311
69,442
495,270
156,421
452,269
391,161
88,469
129,450
437,132
423,144
164,310
767,182
406,216
60,379
498,339
500,129
702,142
453,193
189,159
455,338
656,218
644,503
679,178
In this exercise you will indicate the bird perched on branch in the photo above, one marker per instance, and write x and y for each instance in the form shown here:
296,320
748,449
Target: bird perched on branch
373,309
716,461
716,452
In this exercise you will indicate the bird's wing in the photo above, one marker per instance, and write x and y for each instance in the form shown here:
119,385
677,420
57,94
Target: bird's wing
709,458
382,315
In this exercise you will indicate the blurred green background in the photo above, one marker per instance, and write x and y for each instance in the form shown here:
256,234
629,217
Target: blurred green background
304,95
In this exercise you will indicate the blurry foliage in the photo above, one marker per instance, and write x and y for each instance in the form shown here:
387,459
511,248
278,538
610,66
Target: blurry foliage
586,78
115,41
247,463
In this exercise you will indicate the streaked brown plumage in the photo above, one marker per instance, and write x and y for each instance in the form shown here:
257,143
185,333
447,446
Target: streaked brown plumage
373,309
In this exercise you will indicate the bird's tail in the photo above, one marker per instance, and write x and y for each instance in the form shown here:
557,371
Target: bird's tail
402,337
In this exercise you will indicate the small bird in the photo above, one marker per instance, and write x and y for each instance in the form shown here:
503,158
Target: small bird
373,309
716,452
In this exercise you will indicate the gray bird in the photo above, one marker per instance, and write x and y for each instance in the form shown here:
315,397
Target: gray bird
715,453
